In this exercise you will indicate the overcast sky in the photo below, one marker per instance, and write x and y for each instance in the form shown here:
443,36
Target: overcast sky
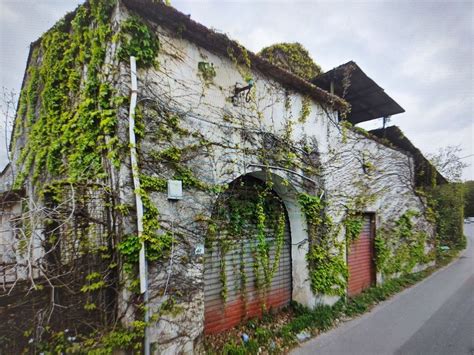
420,52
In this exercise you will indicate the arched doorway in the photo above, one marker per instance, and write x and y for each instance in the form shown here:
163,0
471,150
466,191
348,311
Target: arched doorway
248,255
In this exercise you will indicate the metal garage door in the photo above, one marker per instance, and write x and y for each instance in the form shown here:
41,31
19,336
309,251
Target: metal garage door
232,261
361,259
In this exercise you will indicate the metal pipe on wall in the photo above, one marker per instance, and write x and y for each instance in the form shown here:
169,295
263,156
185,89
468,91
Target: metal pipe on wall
138,199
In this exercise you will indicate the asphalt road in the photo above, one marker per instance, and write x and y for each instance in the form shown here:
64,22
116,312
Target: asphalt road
435,316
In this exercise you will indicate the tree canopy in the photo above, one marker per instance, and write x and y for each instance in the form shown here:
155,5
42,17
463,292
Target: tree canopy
469,198
448,162
292,57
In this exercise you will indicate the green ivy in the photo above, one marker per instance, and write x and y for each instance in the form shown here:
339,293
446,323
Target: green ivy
305,109
138,40
312,207
241,56
447,211
66,120
151,183
353,225
239,216
262,249
207,72
327,268
382,251
345,127
100,342
157,244
401,248
65,112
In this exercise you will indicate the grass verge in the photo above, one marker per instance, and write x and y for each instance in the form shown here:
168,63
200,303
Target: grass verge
277,333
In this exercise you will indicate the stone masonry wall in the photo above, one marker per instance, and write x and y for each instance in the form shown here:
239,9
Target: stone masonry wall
192,131
189,128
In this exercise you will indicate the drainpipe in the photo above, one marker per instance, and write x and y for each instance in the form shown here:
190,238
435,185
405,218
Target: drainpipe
138,199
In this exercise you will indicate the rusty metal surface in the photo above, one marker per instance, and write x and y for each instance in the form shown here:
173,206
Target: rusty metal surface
243,302
243,299
360,260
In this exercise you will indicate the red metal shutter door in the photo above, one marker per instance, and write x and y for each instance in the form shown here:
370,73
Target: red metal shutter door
361,259
243,300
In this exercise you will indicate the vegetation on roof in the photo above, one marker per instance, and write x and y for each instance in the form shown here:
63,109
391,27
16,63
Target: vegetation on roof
292,57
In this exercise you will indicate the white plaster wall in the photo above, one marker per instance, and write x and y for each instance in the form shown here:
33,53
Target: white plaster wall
391,180
7,238
236,131
178,86
13,257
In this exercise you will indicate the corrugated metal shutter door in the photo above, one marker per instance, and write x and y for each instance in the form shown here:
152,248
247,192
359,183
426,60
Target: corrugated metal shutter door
361,259
243,300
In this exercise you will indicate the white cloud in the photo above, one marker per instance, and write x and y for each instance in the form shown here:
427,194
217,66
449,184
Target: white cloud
425,62
8,13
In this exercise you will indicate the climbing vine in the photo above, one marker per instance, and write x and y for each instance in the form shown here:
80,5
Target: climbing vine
139,40
400,248
262,248
207,72
326,264
445,209
66,136
240,57
248,218
353,225
67,142
305,109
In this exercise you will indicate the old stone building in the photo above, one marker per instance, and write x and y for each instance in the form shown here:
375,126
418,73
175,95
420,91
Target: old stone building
257,189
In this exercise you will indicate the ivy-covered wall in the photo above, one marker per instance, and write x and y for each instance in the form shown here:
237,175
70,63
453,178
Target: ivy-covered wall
71,154
194,132
377,178
68,151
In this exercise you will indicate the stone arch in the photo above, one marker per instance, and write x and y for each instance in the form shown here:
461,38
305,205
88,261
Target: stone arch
248,255
288,192
283,186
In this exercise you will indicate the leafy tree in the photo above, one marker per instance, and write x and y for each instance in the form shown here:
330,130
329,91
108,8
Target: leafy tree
449,198
292,57
469,198
449,206
448,162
